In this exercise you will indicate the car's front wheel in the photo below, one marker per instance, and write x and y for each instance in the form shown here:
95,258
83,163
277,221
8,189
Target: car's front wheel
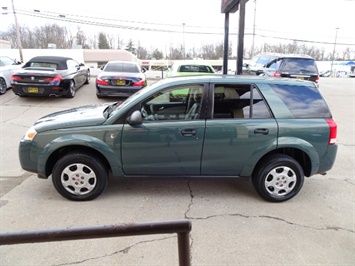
79,176
278,178
3,86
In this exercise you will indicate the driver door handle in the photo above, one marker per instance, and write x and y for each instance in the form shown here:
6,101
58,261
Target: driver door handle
261,131
188,132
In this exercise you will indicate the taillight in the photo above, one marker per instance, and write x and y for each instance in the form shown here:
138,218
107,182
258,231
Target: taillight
54,80
139,83
317,79
333,131
101,82
15,78
277,74
51,79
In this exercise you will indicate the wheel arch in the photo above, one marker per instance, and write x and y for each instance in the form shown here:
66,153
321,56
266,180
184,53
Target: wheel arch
80,143
299,155
53,158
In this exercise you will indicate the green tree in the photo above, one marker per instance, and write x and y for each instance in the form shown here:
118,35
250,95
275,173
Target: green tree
130,47
103,42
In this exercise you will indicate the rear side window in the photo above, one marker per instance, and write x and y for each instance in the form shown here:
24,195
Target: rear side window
241,101
302,101
299,65
43,64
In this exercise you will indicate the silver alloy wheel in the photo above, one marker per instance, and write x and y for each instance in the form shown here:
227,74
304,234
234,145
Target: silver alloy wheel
280,181
78,179
72,89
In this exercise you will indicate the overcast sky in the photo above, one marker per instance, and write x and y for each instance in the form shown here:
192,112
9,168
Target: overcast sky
159,23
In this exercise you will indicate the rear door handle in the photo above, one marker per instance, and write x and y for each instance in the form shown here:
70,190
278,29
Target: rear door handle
188,132
261,131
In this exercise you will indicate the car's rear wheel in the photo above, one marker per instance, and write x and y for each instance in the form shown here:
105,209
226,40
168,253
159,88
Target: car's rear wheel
71,90
3,86
278,178
87,81
79,176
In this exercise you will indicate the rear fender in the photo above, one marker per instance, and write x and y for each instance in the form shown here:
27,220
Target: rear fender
306,147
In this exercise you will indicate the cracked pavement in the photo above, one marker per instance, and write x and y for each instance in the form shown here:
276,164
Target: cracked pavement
231,224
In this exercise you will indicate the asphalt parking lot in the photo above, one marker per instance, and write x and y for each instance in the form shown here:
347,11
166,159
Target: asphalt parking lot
231,224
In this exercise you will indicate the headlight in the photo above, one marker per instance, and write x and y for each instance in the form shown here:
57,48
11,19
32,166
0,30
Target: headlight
30,134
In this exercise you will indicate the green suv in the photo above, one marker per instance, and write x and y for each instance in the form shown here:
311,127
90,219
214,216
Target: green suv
274,131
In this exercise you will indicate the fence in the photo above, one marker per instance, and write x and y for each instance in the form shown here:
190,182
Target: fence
182,228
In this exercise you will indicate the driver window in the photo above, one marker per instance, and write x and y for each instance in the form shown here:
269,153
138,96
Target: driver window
177,103
274,65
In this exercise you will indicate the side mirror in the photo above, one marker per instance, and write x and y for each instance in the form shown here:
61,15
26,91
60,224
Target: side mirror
135,118
143,69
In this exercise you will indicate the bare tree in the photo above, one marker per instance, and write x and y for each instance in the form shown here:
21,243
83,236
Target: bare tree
176,53
81,39
62,37
142,52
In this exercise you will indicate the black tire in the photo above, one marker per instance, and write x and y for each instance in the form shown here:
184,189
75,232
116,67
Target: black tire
79,176
71,90
278,178
87,81
3,86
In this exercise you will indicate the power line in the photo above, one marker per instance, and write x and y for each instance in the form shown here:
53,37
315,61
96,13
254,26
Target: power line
63,17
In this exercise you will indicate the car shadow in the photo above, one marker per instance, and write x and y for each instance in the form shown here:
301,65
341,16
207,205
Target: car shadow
176,187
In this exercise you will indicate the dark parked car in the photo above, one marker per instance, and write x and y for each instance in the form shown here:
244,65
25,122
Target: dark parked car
275,131
50,76
326,73
120,79
295,66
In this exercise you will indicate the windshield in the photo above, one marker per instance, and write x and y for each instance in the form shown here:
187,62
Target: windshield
297,65
119,105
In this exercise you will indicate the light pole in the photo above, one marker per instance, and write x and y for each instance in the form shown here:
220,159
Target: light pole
335,42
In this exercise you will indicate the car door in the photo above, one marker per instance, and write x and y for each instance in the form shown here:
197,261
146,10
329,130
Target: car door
74,71
239,132
170,139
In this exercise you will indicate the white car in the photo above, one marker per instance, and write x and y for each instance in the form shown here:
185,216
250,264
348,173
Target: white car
7,67
188,68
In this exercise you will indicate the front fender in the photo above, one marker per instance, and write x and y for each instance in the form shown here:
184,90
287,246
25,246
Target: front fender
79,140
305,146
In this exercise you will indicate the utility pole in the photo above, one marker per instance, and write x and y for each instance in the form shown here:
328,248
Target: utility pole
17,32
252,47
183,39
335,43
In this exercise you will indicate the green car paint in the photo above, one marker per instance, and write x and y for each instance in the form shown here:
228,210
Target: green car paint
169,142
